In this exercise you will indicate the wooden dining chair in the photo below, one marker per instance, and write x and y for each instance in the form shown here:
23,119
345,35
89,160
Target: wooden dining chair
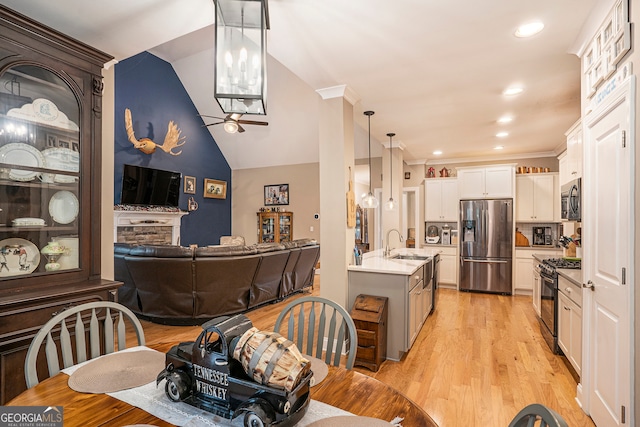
538,415
78,316
320,325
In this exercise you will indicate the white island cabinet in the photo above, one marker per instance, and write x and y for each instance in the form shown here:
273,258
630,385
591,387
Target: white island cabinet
403,281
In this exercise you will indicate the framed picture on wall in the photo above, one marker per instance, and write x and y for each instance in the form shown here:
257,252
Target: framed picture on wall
276,194
189,185
214,189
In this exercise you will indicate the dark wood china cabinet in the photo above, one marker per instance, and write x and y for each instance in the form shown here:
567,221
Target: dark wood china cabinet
50,168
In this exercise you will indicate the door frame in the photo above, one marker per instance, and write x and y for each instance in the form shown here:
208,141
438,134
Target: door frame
416,214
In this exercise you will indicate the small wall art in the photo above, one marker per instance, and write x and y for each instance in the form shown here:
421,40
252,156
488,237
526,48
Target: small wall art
276,194
189,185
214,189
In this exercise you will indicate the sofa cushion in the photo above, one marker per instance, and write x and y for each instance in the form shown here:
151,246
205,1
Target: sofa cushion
269,247
232,240
305,267
161,251
221,251
266,284
164,286
222,284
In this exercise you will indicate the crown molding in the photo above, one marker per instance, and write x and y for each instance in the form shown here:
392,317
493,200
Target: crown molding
339,91
396,144
489,158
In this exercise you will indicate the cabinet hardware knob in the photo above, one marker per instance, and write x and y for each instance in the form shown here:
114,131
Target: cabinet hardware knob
568,290
566,308
589,285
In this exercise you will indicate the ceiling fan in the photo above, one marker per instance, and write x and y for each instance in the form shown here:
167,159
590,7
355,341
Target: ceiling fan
232,122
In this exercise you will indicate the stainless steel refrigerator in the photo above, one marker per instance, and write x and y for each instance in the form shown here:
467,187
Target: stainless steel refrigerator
486,245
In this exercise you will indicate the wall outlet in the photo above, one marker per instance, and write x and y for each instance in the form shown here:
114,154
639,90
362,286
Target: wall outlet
311,228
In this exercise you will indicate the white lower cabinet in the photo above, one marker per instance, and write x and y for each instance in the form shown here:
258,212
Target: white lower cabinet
570,323
524,280
537,290
448,267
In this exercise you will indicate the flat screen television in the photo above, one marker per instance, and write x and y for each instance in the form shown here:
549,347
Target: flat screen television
151,187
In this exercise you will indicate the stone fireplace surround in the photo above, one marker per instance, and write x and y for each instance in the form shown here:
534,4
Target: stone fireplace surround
147,225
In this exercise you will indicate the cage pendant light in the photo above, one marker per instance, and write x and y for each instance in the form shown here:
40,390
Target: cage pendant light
240,67
369,201
390,205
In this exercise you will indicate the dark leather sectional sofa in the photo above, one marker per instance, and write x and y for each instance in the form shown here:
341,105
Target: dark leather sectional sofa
178,286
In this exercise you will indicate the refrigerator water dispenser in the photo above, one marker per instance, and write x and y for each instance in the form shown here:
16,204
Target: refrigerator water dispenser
469,231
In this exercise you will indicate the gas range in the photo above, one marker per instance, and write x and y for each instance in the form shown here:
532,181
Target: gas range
549,265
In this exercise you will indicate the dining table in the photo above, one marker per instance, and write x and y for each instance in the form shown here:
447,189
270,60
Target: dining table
348,390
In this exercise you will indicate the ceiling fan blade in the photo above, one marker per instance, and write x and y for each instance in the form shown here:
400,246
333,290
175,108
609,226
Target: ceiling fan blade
253,122
211,117
211,124
240,129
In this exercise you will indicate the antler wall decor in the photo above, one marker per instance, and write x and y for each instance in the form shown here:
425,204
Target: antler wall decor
171,140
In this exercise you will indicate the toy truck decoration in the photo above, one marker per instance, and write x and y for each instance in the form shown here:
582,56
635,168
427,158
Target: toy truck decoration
233,369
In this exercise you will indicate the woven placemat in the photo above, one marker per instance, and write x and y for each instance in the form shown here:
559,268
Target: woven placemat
118,371
350,421
319,369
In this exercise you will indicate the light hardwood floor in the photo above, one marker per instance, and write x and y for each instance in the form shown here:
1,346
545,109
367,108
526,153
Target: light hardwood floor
477,361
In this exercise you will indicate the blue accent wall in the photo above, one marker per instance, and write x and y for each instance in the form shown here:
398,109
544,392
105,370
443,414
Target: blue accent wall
151,89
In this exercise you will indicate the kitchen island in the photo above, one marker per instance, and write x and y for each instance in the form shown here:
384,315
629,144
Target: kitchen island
405,277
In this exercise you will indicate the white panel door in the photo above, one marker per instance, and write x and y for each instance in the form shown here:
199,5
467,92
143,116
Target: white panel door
608,255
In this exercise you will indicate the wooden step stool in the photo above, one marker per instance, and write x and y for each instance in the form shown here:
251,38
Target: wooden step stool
369,314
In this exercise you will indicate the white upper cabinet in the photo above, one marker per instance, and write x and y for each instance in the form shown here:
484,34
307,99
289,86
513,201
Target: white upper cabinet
486,182
536,196
441,199
573,162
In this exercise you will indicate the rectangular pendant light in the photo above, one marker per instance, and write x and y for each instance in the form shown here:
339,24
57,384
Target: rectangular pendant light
241,56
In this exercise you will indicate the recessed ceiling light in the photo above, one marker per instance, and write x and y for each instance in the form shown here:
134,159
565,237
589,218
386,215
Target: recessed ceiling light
505,119
502,134
498,147
437,152
513,90
529,29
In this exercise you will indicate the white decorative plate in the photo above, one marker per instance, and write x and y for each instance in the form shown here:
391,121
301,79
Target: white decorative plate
20,154
18,256
62,159
64,207
28,222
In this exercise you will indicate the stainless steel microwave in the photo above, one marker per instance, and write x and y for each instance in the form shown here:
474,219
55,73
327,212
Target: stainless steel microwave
570,201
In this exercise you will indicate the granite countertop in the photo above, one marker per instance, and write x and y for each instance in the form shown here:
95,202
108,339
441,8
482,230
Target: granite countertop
571,274
376,262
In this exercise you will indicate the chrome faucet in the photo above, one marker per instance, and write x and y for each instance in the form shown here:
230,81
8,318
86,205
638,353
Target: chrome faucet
387,251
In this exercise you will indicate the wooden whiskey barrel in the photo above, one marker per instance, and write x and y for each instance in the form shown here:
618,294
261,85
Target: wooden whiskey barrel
271,359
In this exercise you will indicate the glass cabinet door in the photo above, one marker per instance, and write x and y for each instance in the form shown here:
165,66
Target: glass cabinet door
268,229
285,227
39,173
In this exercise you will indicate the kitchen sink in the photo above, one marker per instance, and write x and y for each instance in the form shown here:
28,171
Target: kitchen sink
411,257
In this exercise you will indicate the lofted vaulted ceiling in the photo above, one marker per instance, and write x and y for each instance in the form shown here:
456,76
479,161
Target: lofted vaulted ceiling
433,71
